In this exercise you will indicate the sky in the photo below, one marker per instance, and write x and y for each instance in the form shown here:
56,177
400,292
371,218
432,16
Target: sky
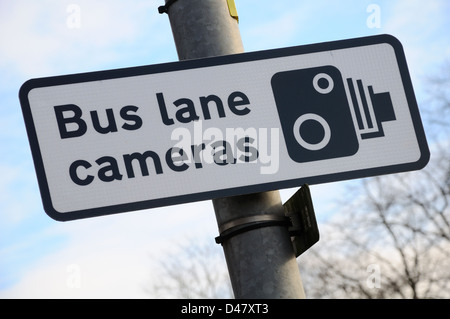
115,256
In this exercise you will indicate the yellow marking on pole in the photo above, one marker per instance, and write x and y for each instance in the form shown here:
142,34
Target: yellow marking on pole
232,9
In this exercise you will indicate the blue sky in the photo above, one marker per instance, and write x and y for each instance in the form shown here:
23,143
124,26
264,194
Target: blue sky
113,256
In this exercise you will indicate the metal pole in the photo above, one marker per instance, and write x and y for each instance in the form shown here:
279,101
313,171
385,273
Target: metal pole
261,260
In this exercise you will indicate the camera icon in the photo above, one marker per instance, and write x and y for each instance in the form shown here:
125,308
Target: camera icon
321,115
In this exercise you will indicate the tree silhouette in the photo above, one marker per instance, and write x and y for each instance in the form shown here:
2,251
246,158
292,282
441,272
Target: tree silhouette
391,235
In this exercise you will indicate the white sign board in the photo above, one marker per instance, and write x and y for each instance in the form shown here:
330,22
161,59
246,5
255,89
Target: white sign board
128,139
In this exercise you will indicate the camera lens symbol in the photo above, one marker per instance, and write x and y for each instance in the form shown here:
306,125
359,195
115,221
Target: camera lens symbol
312,146
311,103
326,84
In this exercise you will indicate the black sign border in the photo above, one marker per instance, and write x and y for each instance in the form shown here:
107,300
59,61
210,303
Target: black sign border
215,61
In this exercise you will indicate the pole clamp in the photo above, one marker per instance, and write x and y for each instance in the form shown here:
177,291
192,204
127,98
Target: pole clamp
299,218
165,8
241,225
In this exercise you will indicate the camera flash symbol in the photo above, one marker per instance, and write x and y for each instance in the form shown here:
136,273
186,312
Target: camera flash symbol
329,80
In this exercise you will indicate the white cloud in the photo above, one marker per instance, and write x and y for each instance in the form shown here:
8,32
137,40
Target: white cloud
278,31
17,194
111,256
73,274
39,39
422,27
269,25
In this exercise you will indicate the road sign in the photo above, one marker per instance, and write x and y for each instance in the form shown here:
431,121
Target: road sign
129,139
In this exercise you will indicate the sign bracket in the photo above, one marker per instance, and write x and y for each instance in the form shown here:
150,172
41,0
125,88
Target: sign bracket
303,228
299,218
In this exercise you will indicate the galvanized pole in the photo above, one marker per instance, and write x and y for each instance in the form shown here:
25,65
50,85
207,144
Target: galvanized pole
257,245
